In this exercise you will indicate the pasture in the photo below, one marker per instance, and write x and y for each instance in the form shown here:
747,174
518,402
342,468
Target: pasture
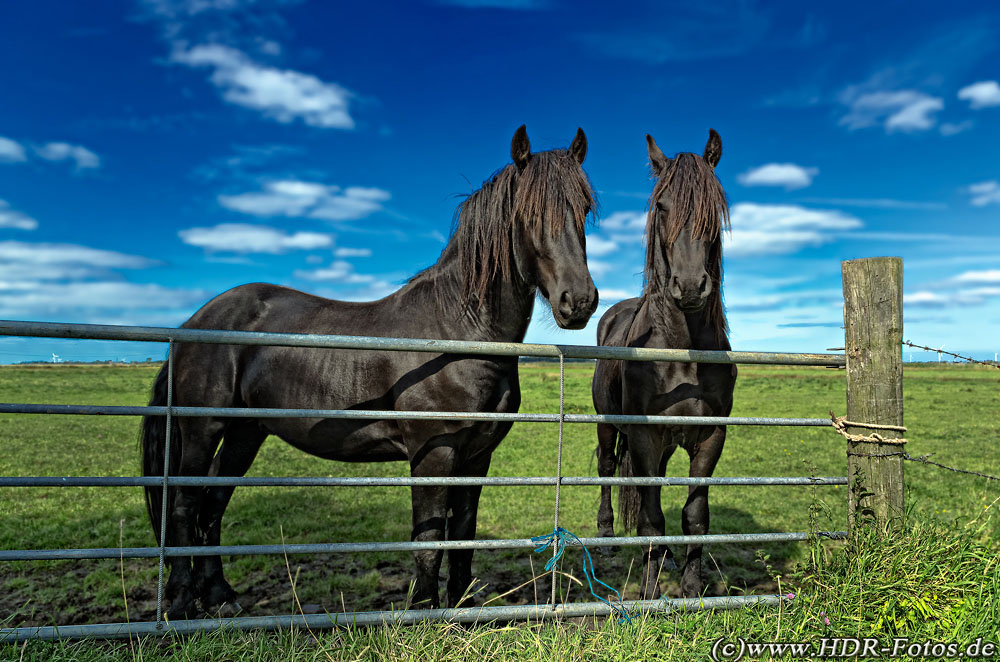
950,410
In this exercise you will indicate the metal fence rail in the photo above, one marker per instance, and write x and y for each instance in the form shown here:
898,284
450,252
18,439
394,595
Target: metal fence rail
401,546
368,618
393,414
407,481
472,348
160,334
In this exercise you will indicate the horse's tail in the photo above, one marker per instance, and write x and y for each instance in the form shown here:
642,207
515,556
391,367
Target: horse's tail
153,442
628,495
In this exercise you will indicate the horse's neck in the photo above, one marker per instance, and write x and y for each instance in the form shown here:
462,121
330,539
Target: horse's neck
504,318
676,329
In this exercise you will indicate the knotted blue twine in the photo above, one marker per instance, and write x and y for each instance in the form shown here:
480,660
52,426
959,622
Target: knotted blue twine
558,537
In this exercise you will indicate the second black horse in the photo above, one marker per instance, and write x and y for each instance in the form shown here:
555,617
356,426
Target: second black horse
680,307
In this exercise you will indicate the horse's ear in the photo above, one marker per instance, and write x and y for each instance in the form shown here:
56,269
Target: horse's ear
578,148
713,148
656,157
520,148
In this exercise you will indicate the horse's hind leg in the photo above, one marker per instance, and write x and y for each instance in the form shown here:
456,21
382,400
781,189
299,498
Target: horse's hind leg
239,448
695,516
199,438
607,435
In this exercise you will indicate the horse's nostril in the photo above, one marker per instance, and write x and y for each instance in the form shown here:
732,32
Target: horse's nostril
704,283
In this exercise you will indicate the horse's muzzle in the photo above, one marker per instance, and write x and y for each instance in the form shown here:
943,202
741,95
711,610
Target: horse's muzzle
574,312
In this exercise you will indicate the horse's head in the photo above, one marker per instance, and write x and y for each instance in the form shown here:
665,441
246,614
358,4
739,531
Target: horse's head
552,200
687,212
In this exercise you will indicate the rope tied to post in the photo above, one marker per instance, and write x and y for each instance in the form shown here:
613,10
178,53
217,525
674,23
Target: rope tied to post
840,425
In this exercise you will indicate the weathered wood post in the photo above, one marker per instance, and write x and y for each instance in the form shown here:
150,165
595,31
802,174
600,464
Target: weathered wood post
873,335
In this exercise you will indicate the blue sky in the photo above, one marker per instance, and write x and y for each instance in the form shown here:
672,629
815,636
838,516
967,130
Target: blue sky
156,153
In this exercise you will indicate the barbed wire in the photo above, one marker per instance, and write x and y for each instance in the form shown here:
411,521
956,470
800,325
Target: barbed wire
957,356
923,459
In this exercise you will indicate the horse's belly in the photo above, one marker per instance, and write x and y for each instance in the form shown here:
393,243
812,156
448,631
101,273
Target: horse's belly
345,440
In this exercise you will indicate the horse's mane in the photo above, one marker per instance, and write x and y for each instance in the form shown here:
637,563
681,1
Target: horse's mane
697,200
483,228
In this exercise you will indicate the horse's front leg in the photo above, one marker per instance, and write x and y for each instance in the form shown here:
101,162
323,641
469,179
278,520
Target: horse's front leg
430,516
646,455
695,516
464,505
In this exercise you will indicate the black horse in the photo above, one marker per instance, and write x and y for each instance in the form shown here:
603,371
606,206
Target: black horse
680,307
522,232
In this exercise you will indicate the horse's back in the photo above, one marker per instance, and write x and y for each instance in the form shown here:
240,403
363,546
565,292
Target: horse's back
613,328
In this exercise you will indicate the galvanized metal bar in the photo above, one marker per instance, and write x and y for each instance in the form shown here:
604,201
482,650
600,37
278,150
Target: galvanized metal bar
159,334
378,618
406,481
245,412
166,477
559,454
401,546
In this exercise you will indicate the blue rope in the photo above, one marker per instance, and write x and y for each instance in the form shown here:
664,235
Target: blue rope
559,538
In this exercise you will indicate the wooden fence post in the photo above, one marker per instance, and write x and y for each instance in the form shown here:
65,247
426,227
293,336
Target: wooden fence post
873,335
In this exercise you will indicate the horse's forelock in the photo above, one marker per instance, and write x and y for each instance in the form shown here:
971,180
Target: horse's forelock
551,182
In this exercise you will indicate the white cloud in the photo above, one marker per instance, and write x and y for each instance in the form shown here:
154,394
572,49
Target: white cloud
171,8
281,94
625,220
789,175
901,110
600,268
969,288
30,298
310,199
984,193
973,296
11,218
11,151
46,255
56,151
951,129
624,226
923,299
244,238
352,252
984,277
597,246
781,229
339,271
68,281
612,294
877,203
981,95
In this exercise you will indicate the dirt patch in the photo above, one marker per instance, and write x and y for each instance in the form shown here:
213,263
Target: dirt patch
80,593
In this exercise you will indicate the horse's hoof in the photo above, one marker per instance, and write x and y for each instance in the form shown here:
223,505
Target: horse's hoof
182,610
605,550
216,595
225,610
669,565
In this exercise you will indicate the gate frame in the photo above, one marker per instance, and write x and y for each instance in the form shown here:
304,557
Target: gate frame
873,358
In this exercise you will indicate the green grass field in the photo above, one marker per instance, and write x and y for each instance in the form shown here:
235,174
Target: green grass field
951,411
